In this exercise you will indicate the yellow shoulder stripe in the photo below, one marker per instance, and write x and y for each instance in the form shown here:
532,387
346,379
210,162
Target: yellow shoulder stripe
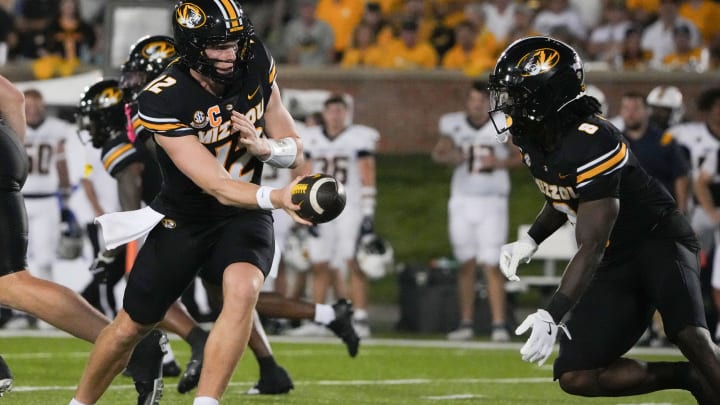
603,167
108,161
161,127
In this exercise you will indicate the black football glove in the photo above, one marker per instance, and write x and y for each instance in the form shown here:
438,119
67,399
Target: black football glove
99,266
367,226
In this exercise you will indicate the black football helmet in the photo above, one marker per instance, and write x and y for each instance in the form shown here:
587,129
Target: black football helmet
534,78
148,57
101,112
198,24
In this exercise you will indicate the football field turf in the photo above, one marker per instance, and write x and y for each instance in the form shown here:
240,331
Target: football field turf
386,371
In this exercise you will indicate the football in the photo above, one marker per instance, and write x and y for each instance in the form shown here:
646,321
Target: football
320,196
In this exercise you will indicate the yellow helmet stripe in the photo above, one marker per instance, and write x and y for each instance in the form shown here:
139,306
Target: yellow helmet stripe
233,14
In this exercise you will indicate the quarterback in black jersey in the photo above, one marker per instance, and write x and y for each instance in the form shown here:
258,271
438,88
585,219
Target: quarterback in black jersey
636,252
216,117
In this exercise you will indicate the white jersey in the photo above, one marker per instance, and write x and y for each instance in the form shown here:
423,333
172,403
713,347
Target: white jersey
471,178
339,156
697,139
41,145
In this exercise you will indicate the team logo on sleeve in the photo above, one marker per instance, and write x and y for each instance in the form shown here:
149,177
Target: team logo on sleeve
189,15
200,120
538,61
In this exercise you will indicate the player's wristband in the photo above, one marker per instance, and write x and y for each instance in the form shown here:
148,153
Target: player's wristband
538,232
559,305
367,200
263,198
282,152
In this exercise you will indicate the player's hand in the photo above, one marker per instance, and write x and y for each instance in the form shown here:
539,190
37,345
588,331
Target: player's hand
100,265
512,254
282,198
249,137
539,345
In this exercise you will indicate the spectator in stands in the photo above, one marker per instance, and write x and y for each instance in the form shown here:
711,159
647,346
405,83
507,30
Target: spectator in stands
343,16
373,17
415,10
69,41
476,16
705,14
605,42
68,35
32,19
522,24
633,56
658,36
643,12
500,17
478,206
468,54
590,11
559,13
364,51
409,52
309,41
685,57
8,34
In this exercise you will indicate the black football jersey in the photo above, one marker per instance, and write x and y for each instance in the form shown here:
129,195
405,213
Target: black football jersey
174,104
593,161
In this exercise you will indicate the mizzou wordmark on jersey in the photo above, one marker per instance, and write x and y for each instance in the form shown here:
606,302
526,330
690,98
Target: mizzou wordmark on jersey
174,104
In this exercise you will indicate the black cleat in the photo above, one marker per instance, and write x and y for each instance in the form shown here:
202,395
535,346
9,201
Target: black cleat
191,376
342,326
6,377
146,367
273,383
171,369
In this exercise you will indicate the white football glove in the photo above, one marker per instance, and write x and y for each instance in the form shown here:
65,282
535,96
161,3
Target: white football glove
539,345
512,254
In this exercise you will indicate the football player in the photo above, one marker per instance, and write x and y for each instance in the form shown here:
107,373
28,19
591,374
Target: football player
636,251
216,117
135,166
347,153
53,303
478,206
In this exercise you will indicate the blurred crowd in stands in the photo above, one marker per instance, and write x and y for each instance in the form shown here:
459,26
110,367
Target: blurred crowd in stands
56,36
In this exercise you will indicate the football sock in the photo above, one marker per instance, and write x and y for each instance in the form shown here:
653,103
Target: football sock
75,402
360,315
169,357
196,338
266,364
324,314
205,401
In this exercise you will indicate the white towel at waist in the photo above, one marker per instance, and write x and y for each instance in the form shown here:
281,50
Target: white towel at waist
119,228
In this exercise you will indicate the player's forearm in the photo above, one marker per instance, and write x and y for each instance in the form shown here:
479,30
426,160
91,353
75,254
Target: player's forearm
682,184
546,223
129,184
245,195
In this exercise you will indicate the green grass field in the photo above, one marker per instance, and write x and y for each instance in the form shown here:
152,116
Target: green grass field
387,371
